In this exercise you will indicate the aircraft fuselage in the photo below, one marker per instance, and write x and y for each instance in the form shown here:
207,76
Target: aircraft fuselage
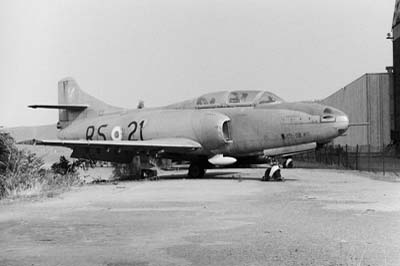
237,132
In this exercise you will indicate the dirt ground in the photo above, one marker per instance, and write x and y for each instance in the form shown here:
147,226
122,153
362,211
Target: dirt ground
315,217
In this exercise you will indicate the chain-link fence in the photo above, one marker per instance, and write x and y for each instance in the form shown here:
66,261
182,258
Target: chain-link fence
362,158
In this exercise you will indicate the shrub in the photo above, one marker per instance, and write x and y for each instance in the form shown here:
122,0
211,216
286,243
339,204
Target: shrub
8,153
128,171
63,166
22,171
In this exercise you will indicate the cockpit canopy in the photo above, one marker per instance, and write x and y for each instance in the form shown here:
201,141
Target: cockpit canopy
229,98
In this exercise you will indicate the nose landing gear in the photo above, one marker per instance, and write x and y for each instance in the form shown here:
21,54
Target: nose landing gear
272,173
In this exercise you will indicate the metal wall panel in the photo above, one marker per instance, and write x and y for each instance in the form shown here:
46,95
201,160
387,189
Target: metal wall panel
366,99
379,109
352,99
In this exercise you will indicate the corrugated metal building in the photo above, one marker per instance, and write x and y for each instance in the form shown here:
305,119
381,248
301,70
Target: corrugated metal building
367,99
396,74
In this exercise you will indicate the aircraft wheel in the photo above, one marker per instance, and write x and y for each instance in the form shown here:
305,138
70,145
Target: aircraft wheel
196,171
288,163
276,174
266,176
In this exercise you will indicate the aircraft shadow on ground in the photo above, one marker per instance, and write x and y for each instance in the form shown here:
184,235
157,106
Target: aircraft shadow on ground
223,175
214,175
218,176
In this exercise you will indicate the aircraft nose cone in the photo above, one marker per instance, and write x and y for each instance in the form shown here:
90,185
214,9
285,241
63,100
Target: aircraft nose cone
342,123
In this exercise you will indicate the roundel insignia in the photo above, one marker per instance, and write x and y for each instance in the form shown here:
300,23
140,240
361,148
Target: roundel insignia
116,133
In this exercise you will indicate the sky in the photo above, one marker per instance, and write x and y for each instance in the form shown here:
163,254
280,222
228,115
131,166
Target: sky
164,52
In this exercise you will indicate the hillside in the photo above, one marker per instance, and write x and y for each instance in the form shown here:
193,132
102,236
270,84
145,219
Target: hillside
34,132
48,154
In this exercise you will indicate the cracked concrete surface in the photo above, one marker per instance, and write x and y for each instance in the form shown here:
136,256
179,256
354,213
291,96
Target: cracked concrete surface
316,217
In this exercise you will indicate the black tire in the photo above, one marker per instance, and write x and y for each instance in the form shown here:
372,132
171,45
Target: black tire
196,171
266,174
277,175
290,164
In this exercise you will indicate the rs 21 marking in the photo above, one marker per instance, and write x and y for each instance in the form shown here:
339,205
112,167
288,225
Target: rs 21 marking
133,128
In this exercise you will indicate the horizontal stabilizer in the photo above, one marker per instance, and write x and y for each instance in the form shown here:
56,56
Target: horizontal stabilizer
72,107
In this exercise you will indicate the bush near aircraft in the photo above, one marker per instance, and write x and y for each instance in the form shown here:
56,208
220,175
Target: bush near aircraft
22,172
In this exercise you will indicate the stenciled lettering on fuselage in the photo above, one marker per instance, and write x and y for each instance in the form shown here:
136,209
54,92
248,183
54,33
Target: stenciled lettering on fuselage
296,135
116,131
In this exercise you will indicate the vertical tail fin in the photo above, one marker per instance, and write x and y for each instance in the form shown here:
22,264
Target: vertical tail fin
69,93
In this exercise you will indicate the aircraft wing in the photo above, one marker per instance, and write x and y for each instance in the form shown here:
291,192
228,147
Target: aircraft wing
119,150
154,144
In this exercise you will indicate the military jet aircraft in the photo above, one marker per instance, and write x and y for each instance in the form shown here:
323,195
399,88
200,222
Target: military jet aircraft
216,129
219,99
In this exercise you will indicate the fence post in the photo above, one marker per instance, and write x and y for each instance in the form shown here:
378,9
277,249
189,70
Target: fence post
316,156
369,158
357,157
326,155
383,159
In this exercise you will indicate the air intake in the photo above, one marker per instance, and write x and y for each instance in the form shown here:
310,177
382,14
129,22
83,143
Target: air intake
226,130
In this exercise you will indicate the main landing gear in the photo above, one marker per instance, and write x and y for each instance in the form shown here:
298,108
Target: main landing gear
272,173
196,170
288,163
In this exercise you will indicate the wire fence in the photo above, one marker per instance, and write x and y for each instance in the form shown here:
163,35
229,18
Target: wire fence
363,158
